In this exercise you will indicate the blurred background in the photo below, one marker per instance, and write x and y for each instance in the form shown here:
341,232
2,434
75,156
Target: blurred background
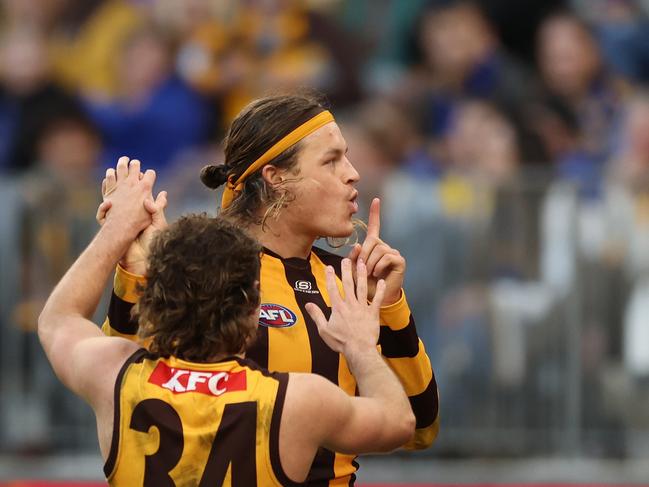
508,139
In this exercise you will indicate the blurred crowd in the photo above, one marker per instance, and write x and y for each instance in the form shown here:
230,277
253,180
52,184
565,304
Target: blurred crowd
509,141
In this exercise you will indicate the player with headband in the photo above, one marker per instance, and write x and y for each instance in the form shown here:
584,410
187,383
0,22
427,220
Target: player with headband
289,182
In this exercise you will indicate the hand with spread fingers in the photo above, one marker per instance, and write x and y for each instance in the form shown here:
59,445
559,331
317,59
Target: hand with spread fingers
382,261
134,260
353,326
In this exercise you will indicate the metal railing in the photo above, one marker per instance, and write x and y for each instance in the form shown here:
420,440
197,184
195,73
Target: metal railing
524,316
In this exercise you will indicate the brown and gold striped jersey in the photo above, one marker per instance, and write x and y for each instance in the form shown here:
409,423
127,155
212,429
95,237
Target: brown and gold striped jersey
288,341
185,423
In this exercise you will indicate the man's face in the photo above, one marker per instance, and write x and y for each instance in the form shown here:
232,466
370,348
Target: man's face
324,190
568,57
454,39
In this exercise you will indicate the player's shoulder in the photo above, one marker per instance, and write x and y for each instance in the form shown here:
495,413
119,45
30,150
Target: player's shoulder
308,390
255,368
307,381
311,396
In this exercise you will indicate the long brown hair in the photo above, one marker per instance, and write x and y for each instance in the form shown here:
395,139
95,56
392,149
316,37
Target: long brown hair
256,129
202,294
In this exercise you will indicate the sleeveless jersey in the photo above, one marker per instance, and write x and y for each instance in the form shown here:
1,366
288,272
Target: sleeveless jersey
288,341
181,423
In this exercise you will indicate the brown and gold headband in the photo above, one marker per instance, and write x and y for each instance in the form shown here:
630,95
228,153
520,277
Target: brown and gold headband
234,187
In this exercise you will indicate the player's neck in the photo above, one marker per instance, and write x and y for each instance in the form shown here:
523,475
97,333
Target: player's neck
285,243
220,357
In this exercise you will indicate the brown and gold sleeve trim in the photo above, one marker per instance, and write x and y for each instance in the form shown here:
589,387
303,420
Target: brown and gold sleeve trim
425,406
399,343
275,423
119,316
109,466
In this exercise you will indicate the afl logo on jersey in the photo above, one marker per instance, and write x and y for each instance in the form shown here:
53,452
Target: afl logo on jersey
276,316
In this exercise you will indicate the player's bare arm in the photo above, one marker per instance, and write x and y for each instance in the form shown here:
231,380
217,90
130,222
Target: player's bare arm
83,358
317,412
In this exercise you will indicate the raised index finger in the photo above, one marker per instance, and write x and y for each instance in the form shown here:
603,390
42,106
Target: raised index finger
374,220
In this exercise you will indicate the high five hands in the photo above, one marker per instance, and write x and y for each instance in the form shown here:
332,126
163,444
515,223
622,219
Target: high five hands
135,258
381,260
353,325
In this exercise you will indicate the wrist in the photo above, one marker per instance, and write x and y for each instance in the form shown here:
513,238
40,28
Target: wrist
117,232
392,298
113,233
356,355
133,267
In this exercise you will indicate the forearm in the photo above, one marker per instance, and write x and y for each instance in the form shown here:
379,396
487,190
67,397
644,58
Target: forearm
80,289
119,321
376,380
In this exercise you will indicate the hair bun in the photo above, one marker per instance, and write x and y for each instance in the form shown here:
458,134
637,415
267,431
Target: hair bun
214,176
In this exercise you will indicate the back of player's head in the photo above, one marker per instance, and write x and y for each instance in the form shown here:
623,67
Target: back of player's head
202,292
256,128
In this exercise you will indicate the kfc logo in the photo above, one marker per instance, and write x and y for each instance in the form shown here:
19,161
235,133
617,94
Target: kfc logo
213,383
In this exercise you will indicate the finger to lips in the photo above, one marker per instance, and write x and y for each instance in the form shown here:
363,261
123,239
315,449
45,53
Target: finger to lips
374,220
373,230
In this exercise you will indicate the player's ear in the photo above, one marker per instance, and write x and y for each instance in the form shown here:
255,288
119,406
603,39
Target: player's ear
272,175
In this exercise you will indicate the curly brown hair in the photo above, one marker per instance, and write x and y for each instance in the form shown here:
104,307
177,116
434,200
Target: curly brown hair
202,291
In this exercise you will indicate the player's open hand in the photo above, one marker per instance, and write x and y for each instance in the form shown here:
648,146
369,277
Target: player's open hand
128,214
382,261
136,256
354,324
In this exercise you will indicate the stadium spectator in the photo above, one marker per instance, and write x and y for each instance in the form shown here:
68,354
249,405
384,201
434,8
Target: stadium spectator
155,115
461,58
59,199
571,68
262,47
55,225
622,30
87,40
29,99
